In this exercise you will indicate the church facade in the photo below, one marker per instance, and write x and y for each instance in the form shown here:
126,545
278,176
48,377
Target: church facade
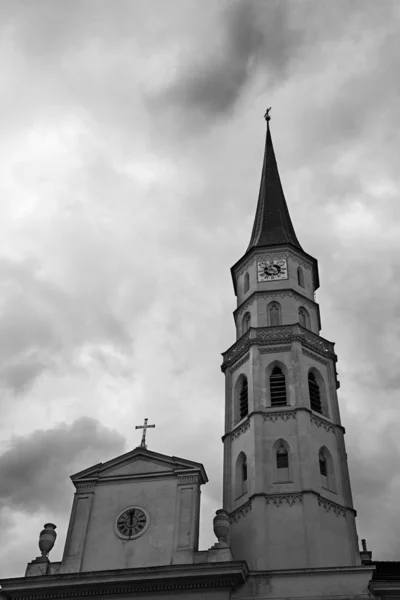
287,526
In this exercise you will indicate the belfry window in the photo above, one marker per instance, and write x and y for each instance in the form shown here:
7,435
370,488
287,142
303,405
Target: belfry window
277,387
246,283
315,393
274,314
243,399
300,276
282,458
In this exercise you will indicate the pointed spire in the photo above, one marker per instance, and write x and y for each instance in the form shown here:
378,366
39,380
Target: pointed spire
272,223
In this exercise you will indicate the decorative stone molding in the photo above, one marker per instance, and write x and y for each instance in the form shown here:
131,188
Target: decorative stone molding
183,479
241,429
284,415
330,506
85,488
317,343
279,499
273,256
274,295
263,336
314,356
240,512
240,362
274,349
274,333
322,423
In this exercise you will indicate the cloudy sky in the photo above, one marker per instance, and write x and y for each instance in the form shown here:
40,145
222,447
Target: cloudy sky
132,136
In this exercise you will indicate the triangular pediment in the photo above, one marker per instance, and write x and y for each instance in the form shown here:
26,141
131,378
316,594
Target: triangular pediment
139,462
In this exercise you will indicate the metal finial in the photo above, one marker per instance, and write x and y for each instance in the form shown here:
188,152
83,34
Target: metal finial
266,116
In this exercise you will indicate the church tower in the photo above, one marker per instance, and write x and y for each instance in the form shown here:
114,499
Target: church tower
286,479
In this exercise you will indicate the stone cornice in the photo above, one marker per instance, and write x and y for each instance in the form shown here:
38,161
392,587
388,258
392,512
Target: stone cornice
264,336
284,413
125,582
296,497
240,512
240,362
276,294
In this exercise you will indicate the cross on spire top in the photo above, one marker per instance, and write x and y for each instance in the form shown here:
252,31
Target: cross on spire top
145,428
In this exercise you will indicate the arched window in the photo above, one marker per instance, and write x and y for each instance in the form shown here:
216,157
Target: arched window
326,469
304,318
241,475
277,387
315,393
246,322
274,314
243,399
281,471
322,464
246,283
300,276
282,458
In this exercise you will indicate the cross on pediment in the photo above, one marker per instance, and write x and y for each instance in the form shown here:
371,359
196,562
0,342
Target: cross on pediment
145,428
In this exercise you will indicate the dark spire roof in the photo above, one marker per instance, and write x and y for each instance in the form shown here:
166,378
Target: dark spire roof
272,223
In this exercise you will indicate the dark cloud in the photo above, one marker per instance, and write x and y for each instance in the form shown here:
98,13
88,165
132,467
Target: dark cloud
210,83
43,325
35,470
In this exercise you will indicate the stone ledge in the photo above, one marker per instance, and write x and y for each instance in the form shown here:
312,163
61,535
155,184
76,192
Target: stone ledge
167,578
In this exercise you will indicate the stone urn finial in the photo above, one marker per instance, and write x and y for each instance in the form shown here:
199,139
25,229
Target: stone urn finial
47,538
221,524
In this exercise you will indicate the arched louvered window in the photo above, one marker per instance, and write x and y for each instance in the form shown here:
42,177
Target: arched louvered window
246,283
274,314
315,393
246,322
243,399
282,458
277,387
304,318
323,469
300,276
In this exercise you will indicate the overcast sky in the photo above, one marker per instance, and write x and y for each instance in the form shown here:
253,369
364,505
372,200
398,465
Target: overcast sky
132,137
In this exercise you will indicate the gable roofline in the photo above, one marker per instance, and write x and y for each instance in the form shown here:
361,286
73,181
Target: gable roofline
177,464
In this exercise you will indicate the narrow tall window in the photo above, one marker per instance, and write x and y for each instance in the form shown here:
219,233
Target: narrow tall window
322,465
274,314
241,475
243,399
304,318
282,458
244,470
315,393
277,387
300,276
246,322
246,283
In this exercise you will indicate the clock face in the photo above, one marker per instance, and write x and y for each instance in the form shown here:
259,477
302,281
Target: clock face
132,522
272,270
